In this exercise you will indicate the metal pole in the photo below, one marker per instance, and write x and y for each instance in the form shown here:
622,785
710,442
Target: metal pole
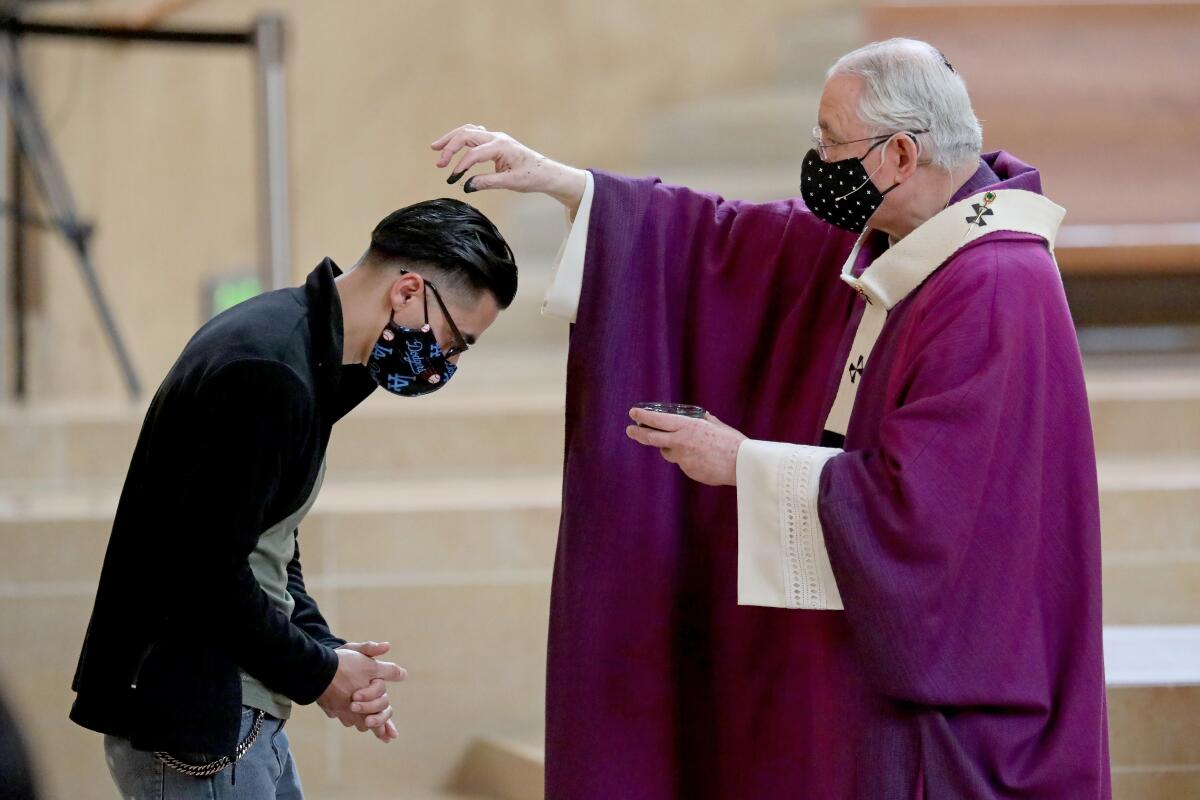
117,33
275,259
31,136
20,299
5,325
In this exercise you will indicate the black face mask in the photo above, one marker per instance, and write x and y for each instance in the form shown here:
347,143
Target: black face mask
841,192
409,362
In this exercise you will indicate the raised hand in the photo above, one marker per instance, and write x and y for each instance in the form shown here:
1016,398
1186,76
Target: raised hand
517,168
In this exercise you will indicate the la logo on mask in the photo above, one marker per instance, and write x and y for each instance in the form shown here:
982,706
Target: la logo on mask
408,362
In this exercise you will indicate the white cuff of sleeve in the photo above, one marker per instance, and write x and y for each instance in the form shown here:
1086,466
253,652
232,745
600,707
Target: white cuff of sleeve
562,299
782,560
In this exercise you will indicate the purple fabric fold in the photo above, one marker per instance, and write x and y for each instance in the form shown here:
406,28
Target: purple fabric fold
660,685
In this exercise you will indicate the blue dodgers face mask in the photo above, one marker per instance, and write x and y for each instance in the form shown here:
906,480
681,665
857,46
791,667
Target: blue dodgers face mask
408,362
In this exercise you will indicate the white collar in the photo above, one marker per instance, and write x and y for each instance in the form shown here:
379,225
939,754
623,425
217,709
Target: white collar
905,265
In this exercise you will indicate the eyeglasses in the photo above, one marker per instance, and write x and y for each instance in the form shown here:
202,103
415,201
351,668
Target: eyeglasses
823,146
460,345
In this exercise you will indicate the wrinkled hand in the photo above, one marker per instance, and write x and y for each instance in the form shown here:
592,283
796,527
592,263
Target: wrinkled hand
705,449
357,695
517,168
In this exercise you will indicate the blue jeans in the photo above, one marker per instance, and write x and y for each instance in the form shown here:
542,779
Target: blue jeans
266,772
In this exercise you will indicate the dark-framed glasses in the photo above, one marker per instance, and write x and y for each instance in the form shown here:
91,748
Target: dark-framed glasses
460,344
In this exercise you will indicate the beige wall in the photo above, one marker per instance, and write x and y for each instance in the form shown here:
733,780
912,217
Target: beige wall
160,143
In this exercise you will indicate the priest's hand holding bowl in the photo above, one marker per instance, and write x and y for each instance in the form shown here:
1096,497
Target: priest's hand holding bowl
705,449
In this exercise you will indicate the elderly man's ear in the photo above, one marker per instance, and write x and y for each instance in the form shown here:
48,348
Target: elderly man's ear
909,154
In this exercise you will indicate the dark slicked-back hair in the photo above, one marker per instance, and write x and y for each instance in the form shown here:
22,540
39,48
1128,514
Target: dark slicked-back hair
454,239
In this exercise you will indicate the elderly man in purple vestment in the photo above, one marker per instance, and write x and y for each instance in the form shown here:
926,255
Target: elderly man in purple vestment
879,577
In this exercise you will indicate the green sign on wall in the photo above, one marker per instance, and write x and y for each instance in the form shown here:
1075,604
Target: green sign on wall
225,293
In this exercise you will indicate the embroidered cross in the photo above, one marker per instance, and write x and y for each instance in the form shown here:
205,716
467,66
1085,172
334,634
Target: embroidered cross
856,370
982,210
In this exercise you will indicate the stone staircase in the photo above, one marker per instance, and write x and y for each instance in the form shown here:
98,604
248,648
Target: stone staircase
456,574
436,527
1146,414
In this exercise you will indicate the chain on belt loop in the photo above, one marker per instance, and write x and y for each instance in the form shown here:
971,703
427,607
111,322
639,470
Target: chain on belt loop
211,768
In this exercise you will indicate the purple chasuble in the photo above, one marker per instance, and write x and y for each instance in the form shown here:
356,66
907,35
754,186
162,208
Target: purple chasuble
962,522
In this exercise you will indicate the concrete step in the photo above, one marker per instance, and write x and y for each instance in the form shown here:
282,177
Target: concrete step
57,536
539,225
1150,523
455,574
1154,711
757,129
522,325
473,558
735,134
1145,404
474,649
1150,504
438,527
432,532
505,769
819,34
482,676
511,398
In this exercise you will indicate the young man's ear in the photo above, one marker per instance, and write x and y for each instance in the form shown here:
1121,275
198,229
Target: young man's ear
405,289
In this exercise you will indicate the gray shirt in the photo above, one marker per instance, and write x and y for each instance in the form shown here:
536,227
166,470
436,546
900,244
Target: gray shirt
269,562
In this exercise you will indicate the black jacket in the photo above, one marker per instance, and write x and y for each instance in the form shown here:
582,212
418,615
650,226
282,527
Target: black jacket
232,444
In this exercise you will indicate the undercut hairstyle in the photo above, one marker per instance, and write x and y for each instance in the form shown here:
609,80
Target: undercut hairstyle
911,86
452,240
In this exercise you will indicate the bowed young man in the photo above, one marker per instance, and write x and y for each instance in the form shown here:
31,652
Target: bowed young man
883,580
203,635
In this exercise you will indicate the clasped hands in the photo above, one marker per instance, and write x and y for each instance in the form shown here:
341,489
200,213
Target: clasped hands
357,696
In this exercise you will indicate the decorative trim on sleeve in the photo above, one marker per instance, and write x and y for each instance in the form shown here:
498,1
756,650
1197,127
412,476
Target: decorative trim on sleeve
782,560
562,298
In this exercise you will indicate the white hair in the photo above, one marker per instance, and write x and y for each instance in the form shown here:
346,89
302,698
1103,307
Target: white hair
910,86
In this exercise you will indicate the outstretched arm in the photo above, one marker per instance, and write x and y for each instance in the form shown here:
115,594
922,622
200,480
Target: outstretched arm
517,168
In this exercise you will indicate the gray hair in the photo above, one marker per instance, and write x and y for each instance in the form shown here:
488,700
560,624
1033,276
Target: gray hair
910,86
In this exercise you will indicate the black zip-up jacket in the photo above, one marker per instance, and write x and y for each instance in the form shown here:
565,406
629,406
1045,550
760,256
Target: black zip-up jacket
232,443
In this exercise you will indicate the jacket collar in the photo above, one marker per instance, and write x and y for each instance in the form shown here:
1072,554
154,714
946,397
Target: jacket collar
326,330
